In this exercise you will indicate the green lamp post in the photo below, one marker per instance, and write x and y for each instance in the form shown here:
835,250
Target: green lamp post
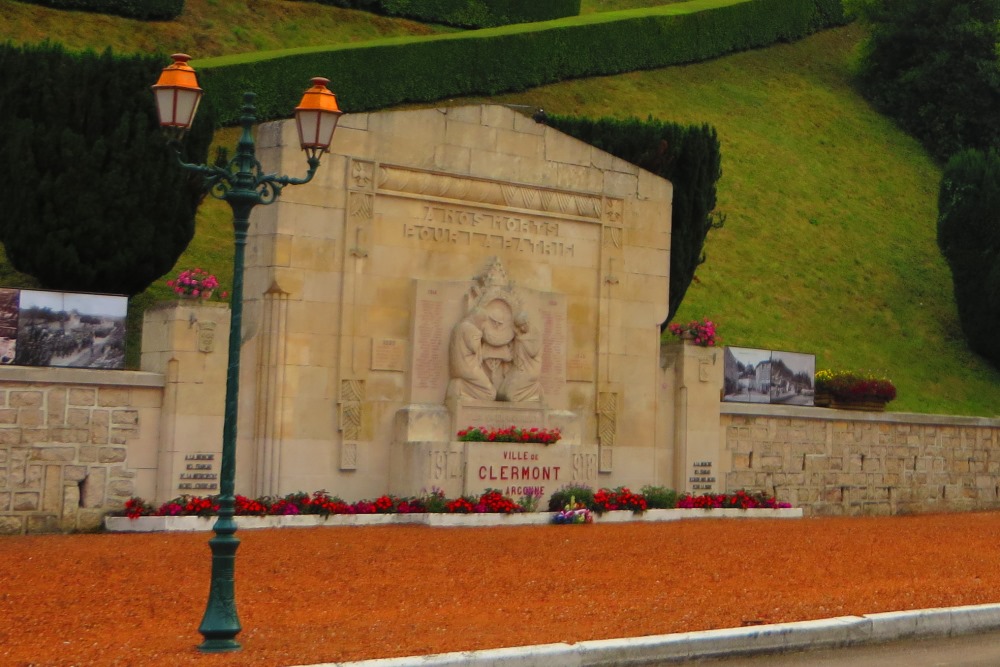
242,184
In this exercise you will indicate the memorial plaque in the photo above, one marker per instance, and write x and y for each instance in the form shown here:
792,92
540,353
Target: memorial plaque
517,469
388,354
198,473
501,417
580,367
702,480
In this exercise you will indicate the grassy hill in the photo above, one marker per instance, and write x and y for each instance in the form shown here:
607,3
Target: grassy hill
829,243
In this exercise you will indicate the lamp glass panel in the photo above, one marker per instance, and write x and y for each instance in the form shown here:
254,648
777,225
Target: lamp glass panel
328,123
308,124
165,105
187,106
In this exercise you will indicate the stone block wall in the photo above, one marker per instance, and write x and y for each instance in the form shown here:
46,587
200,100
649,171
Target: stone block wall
834,462
73,443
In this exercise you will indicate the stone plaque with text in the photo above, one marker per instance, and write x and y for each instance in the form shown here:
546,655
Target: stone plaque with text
388,354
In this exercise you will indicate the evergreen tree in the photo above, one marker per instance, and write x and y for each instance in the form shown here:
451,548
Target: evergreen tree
969,237
95,201
688,156
933,66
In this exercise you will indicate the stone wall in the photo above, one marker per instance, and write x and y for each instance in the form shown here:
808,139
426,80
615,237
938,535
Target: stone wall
74,444
833,462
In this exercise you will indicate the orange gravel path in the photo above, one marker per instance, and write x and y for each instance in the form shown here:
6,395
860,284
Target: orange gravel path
336,594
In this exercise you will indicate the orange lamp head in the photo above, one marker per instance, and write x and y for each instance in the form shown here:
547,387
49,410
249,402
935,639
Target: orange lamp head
177,94
316,117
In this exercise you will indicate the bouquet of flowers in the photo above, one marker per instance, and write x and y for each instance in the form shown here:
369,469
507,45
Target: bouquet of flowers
195,284
702,332
574,512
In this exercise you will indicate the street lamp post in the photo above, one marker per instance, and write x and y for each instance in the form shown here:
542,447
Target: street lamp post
243,184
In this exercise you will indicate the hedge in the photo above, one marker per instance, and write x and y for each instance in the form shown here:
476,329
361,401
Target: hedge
467,13
388,72
146,10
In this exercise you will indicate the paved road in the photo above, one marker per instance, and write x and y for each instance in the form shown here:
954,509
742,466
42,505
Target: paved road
967,651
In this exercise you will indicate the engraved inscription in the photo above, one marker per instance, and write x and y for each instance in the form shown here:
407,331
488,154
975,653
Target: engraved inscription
200,473
553,375
430,332
702,478
388,354
413,182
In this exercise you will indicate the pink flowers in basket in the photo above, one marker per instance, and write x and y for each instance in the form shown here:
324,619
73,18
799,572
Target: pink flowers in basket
701,332
195,284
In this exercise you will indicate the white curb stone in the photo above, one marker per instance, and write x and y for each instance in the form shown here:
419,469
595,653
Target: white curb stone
542,655
660,649
940,622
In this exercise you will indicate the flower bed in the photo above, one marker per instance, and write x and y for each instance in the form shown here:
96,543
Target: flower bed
323,504
541,436
491,508
743,500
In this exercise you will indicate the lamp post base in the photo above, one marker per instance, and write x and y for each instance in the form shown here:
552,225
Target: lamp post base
221,623
219,646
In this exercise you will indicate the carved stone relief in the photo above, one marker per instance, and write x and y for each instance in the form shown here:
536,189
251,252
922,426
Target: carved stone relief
352,394
206,336
495,353
475,191
607,428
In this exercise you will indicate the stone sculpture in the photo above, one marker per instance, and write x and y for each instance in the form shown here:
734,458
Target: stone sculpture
468,376
494,355
522,380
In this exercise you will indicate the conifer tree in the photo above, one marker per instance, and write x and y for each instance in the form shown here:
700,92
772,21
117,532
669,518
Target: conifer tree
969,237
95,201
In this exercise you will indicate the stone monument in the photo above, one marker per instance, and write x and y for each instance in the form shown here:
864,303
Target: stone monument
448,268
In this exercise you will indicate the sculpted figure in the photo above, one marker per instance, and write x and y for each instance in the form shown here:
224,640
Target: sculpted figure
522,381
468,378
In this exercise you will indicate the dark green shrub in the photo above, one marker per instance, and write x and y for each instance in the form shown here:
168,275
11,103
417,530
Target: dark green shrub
99,203
571,493
659,497
688,156
387,72
969,238
467,13
145,10
933,66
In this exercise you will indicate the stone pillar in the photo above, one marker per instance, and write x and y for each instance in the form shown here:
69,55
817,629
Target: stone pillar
699,466
187,341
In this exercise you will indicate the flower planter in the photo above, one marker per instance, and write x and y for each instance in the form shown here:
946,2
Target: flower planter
155,524
822,399
871,405
478,520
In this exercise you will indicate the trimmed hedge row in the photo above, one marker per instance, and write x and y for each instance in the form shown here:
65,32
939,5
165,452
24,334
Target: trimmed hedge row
387,72
467,13
146,10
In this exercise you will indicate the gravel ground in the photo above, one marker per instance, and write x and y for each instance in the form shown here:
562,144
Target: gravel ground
335,594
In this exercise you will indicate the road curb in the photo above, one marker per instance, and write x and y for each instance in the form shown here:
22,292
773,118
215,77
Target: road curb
731,642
